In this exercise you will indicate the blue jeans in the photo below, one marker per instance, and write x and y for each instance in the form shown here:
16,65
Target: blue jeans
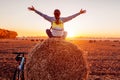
49,33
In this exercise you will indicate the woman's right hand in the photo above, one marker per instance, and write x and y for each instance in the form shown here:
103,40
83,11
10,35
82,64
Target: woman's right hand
31,8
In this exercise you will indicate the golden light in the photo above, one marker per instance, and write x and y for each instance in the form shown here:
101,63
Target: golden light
70,32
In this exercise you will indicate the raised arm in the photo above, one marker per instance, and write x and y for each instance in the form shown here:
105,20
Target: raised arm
65,19
41,14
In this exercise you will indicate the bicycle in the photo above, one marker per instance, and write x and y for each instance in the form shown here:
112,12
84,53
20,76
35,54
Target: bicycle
19,71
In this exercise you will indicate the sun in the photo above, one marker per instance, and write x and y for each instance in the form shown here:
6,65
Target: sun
70,32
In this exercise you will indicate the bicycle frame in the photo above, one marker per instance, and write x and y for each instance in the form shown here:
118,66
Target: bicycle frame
21,64
19,72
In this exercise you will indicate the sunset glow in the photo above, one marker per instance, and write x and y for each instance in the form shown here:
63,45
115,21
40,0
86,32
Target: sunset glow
101,19
70,32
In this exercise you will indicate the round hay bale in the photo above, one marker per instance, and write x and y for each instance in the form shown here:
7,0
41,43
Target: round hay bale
56,59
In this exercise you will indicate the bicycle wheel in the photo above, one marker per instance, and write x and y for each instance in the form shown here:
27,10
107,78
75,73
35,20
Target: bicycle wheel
18,75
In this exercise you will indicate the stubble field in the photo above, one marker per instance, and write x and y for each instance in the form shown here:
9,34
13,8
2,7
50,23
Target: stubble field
103,56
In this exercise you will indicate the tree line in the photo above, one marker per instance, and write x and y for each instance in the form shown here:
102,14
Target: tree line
7,34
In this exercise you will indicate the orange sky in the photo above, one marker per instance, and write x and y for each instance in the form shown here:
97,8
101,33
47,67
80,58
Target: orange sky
101,20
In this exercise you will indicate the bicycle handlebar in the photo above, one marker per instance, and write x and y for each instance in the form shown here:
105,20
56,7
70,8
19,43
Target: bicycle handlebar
19,52
19,55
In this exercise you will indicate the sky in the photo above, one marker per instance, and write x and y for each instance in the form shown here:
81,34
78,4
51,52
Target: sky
102,18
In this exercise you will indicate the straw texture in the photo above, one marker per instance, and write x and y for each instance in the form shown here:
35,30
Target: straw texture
56,59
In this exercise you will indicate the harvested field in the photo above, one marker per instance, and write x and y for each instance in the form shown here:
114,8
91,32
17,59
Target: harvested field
103,57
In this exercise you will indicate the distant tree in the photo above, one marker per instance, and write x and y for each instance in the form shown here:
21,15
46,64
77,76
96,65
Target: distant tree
7,34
